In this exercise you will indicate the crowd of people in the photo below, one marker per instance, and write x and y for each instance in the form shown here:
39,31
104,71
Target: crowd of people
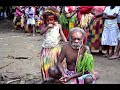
82,28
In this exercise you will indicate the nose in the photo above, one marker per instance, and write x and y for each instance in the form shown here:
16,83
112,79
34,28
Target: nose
50,21
76,41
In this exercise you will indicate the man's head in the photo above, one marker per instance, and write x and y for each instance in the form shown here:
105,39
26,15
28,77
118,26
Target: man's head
76,37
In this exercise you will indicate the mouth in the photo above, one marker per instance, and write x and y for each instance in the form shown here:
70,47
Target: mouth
75,46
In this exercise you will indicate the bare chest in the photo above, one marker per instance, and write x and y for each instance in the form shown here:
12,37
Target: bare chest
71,57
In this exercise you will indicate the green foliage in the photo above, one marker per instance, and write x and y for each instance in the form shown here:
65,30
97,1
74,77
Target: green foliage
85,63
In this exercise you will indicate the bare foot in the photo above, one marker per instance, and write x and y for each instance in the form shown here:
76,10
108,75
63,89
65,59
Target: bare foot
110,55
114,57
28,34
13,30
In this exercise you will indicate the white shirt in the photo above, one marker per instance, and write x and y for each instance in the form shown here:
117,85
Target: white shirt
119,10
30,12
111,22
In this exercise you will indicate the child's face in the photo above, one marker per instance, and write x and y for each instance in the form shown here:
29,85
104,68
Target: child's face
50,19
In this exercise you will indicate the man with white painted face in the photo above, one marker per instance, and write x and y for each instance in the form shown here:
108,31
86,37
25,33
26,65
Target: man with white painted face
79,62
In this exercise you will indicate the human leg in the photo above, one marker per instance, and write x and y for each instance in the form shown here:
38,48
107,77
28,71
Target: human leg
54,72
86,79
33,30
116,54
107,52
112,51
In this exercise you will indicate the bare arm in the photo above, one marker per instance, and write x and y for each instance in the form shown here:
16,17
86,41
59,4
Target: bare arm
92,12
105,16
96,15
76,75
62,34
60,59
112,16
45,28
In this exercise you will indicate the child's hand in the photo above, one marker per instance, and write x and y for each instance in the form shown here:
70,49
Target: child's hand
50,25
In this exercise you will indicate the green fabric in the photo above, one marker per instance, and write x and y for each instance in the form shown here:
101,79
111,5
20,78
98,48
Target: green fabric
37,30
63,19
65,22
73,19
85,63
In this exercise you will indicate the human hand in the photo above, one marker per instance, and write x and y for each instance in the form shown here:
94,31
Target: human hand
50,25
64,79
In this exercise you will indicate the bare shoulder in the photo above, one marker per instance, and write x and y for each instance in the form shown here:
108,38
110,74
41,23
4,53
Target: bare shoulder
59,25
65,46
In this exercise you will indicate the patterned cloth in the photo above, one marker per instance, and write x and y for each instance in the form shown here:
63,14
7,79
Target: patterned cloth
95,29
48,58
109,36
79,80
95,34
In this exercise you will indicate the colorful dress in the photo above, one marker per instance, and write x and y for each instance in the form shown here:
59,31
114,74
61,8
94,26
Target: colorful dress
95,29
17,18
111,29
50,50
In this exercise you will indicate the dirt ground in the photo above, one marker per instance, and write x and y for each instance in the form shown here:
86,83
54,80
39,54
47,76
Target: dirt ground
19,61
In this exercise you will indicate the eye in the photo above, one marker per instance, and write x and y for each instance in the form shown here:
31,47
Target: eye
77,39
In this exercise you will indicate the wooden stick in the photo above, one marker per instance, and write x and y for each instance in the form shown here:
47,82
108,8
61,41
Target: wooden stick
12,81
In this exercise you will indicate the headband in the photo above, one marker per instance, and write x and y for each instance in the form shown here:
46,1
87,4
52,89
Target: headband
51,12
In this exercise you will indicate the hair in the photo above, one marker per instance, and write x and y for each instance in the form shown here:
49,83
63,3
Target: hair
77,29
51,11
112,7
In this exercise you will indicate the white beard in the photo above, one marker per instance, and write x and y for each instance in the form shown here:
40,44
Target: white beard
76,46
